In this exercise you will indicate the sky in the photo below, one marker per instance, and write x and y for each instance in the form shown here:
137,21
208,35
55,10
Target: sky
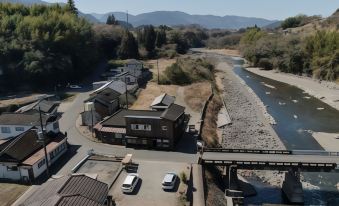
269,9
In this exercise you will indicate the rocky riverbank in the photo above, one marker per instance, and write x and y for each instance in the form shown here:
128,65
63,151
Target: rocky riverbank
250,126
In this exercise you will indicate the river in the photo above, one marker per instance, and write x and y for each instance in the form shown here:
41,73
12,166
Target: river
296,113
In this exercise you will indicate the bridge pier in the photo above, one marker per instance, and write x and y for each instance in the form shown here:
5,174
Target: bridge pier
292,187
230,177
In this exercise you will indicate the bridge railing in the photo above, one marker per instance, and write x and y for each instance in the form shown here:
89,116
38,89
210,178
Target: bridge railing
315,152
253,151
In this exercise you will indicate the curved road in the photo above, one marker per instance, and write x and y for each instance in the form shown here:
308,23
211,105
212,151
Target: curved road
80,144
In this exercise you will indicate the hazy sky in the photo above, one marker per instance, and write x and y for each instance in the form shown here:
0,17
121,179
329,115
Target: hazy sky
270,9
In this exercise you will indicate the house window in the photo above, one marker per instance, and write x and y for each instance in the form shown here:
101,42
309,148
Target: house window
165,140
19,129
12,168
144,141
165,145
41,163
5,130
164,127
131,141
146,127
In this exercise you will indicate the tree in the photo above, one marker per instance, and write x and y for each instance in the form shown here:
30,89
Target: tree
129,46
71,7
161,38
111,20
150,37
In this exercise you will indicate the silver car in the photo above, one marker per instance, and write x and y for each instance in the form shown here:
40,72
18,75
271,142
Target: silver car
130,182
168,183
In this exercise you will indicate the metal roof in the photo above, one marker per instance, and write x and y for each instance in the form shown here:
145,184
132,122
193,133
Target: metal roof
118,119
21,147
173,112
164,99
23,119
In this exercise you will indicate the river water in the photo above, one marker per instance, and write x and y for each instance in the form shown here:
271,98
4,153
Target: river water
296,113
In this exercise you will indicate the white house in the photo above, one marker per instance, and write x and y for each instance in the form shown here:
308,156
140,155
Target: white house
14,124
132,66
127,77
46,107
23,159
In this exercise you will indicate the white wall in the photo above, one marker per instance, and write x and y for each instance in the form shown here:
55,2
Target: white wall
9,174
38,171
13,133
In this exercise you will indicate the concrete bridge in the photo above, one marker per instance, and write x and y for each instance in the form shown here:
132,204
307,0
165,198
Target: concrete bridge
292,161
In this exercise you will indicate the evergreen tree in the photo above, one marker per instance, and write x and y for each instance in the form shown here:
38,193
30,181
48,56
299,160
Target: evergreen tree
150,37
129,46
71,7
161,38
111,20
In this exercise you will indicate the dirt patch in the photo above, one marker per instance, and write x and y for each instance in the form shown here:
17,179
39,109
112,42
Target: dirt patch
152,90
163,64
209,130
15,100
9,193
219,77
195,95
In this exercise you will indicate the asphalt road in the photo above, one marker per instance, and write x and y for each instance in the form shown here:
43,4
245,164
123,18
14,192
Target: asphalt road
80,145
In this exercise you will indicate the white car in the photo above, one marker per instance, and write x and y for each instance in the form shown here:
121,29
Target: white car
130,182
169,181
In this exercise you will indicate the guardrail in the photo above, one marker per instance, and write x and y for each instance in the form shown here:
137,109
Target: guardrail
263,165
315,152
253,151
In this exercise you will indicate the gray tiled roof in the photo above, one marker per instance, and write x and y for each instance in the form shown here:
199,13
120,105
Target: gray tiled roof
75,190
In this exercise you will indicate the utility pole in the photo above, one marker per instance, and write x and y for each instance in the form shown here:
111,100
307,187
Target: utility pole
44,143
158,71
92,120
126,92
127,19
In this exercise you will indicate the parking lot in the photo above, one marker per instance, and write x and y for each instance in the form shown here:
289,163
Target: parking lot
149,191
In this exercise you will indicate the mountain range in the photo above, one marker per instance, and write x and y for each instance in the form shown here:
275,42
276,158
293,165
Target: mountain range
173,18
170,18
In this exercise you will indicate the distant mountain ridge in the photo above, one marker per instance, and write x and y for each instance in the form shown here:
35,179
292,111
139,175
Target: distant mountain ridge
172,18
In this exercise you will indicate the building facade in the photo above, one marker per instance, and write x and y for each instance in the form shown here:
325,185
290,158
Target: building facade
141,128
14,124
23,158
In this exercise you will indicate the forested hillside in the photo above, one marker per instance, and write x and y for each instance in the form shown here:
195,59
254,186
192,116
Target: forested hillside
308,45
44,45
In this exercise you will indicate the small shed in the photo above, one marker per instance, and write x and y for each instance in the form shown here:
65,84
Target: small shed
162,102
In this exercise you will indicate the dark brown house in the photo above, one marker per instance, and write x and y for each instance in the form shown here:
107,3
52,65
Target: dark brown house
106,102
149,129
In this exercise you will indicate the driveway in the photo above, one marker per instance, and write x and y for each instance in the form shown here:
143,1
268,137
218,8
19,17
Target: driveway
80,145
148,190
